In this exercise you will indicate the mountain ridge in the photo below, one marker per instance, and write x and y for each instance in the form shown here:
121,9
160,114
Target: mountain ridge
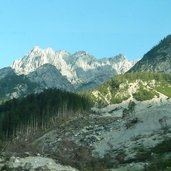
47,68
158,59
48,55
79,68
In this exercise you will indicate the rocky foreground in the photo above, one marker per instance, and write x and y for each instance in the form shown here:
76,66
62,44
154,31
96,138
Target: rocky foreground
32,164
107,139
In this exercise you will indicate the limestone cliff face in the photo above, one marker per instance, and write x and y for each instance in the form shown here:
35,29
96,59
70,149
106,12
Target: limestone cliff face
80,69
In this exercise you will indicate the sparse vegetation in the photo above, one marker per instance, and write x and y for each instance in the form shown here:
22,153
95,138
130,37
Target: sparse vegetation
142,154
116,89
166,90
160,164
118,99
144,94
156,156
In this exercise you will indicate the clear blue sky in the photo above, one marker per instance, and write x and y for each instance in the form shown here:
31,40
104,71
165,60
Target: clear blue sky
104,28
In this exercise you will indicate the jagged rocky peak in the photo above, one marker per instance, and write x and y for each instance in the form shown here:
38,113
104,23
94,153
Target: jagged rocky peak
80,67
62,54
36,49
119,58
82,60
119,62
116,58
47,53
80,53
38,57
83,55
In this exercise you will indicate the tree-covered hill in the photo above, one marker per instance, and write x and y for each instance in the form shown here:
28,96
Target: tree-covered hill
158,59
39,111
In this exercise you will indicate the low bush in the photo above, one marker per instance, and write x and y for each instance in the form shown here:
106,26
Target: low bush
143,94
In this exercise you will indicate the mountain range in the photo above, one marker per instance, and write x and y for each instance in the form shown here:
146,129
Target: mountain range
78,68
45,68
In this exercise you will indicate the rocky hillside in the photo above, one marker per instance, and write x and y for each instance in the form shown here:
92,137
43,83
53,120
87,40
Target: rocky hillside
14,86
32,164
129,128
133,86
47,76
107,138
158,59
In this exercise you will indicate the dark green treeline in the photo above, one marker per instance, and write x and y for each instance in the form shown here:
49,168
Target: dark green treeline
39,111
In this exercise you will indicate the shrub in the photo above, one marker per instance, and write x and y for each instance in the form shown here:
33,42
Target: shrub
143,94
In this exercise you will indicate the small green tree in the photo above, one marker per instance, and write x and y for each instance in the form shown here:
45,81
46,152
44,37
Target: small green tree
131,107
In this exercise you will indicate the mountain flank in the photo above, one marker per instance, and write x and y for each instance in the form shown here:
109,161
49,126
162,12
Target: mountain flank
158,59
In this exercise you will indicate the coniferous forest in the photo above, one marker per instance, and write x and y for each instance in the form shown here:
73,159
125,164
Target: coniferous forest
39,111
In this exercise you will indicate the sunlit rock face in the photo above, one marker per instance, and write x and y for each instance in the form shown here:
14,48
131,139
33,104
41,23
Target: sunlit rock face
81,69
